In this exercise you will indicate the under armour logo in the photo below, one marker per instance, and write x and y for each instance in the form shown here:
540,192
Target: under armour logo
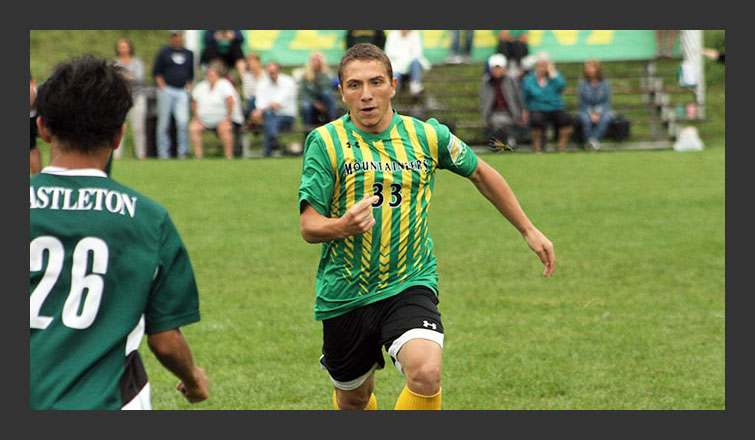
356,144
430,324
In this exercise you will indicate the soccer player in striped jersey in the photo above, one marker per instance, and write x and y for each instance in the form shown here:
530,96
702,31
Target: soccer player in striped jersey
366,185
106,264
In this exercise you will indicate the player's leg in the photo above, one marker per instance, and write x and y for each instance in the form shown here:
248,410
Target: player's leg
351,354
361,397
413,335
421,360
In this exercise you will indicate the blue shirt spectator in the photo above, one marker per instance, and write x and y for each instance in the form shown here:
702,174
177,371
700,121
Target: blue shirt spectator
546,97
173,71
175,64
594,100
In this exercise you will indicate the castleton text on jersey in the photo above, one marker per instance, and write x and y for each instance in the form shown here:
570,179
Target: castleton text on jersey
82,199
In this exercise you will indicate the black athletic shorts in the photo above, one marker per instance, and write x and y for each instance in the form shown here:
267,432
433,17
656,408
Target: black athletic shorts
352,341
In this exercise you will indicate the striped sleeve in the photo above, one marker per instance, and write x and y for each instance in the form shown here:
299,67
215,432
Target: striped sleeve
318,176
453,153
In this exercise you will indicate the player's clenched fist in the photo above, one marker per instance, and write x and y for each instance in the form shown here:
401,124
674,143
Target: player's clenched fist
359,219
199,389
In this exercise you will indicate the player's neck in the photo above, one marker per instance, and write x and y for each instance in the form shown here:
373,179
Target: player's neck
73,160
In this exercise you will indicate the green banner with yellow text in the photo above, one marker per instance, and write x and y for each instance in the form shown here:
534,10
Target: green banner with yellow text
291,47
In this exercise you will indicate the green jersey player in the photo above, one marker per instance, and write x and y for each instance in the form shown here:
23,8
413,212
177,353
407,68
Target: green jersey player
106,264
367,181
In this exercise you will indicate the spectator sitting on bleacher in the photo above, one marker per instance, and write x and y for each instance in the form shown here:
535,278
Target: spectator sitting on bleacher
216,106
594,99
404,49
316,100
275,105
226,46
249,81
501,103
542,91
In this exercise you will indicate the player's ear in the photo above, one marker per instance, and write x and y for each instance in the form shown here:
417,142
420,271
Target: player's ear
394,81
43,131
340,90
121,132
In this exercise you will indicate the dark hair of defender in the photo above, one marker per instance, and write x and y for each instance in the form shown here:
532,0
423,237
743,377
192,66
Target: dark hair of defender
365,51
84,103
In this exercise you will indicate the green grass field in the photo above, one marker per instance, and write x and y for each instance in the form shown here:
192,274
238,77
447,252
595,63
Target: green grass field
633,319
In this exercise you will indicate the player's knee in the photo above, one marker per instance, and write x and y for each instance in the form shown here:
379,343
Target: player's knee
423,377
354,399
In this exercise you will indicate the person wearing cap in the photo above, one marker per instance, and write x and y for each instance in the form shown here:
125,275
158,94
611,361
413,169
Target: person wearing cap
173,71
501,102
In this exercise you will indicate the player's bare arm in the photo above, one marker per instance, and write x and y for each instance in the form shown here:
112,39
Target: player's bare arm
173,352
494,187
316,228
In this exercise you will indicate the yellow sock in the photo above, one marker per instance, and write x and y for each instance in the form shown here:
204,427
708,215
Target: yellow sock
371,404
411,400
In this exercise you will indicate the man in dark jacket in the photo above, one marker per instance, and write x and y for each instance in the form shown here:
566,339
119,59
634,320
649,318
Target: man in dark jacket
501,103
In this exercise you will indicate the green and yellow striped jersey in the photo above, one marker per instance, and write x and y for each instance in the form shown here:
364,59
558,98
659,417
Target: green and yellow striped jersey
342,165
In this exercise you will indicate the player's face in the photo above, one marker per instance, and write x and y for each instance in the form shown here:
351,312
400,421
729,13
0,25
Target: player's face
367,91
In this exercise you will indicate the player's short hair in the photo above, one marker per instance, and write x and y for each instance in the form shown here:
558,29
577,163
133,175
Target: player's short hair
364,51
84,103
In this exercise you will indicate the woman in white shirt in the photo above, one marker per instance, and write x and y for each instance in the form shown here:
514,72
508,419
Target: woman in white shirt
215,106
